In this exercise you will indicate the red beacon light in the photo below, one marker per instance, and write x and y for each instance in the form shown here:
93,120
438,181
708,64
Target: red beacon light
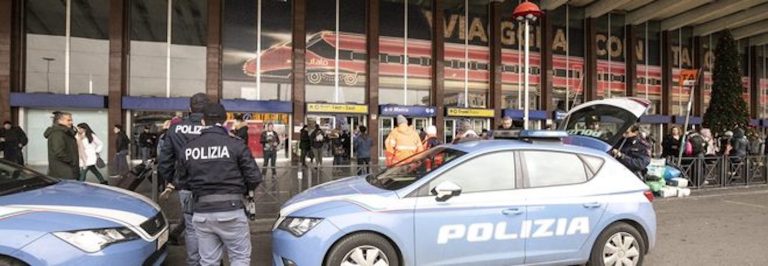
527,11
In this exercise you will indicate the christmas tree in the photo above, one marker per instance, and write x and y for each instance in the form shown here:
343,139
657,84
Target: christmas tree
727,109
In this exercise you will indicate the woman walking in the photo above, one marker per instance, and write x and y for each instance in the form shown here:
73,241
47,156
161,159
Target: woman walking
91,147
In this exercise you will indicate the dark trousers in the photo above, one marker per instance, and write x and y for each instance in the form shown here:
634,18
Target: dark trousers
304,154
269,156
121,162
91,168
362,166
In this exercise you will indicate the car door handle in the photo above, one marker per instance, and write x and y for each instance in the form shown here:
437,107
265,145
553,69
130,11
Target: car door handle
592,205
512,211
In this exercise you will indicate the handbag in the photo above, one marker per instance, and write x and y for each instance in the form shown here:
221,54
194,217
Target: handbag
100,162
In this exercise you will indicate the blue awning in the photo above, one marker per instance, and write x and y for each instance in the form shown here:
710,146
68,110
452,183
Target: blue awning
754,122
764,122
655,119
51,100
407,110
532,114
156,103
242,105
694,120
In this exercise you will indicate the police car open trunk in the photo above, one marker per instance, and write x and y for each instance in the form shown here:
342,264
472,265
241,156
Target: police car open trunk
600,124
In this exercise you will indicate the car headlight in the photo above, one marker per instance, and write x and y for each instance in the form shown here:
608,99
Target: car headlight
298,226
97,239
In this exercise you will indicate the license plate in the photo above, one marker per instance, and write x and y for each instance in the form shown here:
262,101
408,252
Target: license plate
162,239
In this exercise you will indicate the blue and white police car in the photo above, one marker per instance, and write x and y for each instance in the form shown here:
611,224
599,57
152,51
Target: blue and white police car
46,221
531,201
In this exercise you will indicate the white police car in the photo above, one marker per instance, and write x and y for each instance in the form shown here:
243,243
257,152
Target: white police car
500,202
46,221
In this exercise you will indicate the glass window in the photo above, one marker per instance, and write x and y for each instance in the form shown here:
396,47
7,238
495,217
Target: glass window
65,60
400,83
256,62
467,55
542,172
335,29
413,168
600,121
15,179
163,64
594,163
38,120
488,172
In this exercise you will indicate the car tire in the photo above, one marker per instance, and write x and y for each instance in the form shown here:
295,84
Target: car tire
8,261
357,248
622,241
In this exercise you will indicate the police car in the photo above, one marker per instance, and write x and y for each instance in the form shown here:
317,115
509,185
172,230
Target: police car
46,221
529,201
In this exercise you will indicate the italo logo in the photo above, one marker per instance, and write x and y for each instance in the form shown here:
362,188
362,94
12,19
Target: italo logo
481,232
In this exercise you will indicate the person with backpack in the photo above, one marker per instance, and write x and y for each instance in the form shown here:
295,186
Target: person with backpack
318,140
305,145
695,146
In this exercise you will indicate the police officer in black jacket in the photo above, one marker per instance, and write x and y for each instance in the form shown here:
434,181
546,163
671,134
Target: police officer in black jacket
169,164
633,151
220,170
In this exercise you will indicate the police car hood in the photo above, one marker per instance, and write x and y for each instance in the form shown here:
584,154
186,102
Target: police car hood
352,189
91,201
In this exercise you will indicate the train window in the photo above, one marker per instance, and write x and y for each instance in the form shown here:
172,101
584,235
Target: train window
482,66
560,72
359,56
345,54
383,58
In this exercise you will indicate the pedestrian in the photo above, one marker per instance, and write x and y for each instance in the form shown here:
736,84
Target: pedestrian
121,157
695,145
304,145
739,145
337,147
402,142
670,146
362,146
63,157
431,140
12,140
632,151
506,123
755,142
346,144
242,129
270,142
89,154
465,133
220,170
318,139
171,153
146,144
712,147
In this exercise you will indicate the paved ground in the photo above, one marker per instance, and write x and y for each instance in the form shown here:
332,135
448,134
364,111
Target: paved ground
714,227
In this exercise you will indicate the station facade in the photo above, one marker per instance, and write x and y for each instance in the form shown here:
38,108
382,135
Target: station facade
345,63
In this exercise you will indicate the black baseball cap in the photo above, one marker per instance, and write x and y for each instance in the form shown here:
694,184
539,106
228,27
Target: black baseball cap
214,112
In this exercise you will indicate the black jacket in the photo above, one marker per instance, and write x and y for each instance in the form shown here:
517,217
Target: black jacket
242,133
305,141
670,146
15,139
316,143
122,142
218,164
269,143
146,140
63,157
634,153
173,149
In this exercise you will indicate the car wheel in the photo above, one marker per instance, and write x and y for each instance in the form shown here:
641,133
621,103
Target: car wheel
620,244
362,249
8,261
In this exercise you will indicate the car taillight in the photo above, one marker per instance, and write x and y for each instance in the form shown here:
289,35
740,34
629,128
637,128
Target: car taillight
648,195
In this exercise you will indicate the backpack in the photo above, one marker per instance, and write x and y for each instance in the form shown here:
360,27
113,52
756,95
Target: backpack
698,145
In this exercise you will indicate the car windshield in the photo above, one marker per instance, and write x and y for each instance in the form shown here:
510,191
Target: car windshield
14,178
413,168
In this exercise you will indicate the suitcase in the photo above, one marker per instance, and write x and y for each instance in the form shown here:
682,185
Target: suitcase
133,179
678,182
667,192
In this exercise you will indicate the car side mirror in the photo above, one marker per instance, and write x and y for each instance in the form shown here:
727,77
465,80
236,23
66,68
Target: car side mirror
446,190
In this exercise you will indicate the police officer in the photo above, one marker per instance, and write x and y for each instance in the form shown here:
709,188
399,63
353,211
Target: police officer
221,171
633,151
169,158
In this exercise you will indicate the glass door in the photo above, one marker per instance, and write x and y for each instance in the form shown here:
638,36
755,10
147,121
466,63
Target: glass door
450,130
